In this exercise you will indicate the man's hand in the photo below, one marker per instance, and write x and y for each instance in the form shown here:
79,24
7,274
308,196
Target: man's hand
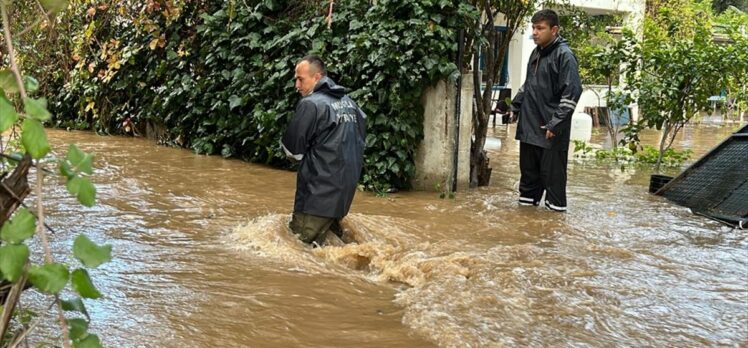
549,134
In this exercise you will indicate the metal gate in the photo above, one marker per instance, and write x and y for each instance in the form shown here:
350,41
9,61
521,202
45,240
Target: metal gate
716,185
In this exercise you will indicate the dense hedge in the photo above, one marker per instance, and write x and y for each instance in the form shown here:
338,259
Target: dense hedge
217,76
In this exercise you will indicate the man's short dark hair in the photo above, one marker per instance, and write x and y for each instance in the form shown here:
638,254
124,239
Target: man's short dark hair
316,62
550,17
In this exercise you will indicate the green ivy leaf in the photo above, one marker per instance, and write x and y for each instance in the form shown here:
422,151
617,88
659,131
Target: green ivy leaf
74,305
77,328
234,101
8,114
21,227
83,189
50,278
91,341
12,260
80,160
90,254
32,85
83,285
171,55
34,138
8,81
54,6
37,109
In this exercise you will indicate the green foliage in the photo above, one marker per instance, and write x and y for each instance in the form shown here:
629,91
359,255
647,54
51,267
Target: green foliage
82,284
8,82
616,154
50,278
588,38
76,163
12,260
19,228
83,189
74,305
217,76
8,114
76,166
22,115
78,328
88,341
37,109
582,148
619,57
682,65
671,157
647,155
444,192
90,254
34,138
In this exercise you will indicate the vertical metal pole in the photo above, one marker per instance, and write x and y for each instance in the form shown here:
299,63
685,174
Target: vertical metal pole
458,102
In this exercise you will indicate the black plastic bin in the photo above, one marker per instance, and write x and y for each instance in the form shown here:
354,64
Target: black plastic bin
657,181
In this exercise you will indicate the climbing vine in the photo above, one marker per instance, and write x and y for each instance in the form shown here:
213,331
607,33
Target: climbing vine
217,76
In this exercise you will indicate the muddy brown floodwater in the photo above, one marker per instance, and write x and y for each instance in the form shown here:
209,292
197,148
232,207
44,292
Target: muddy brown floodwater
202,258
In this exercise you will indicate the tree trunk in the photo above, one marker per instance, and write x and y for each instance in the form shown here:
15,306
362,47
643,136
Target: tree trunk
13,189
665,134
612,130
494,46
480,173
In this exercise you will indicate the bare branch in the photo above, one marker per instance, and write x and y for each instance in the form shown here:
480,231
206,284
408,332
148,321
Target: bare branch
13,194
33,25
11,51
11,301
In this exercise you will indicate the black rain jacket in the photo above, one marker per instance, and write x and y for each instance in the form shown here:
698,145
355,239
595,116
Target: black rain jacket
327,134
548,97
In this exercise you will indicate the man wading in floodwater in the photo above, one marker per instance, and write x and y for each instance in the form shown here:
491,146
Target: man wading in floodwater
327,134
545,104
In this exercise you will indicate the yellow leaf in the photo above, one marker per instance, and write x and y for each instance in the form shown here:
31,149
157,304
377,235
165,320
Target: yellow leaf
108,76
153,44
91,12
91,104
90,29
115,65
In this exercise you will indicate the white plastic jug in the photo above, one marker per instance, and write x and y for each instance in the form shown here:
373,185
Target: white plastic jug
581,127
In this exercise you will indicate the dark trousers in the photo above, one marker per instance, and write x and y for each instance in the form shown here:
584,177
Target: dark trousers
542,170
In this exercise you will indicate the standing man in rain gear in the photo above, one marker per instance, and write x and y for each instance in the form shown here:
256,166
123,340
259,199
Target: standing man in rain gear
327,134
544,106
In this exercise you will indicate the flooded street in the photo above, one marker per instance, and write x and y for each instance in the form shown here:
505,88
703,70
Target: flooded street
202,258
